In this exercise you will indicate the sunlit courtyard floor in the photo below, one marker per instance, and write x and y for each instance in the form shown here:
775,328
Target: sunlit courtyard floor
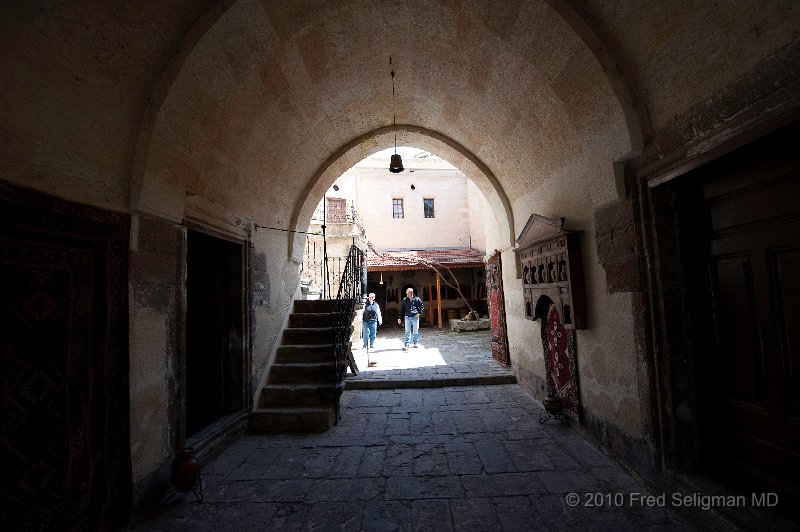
443,358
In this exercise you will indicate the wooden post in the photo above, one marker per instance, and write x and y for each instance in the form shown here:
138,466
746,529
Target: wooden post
439,300
430,302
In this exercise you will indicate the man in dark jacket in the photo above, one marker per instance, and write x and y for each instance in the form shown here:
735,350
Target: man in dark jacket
410,309
372,318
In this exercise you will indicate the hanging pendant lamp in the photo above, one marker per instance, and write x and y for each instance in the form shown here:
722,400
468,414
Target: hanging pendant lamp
396,162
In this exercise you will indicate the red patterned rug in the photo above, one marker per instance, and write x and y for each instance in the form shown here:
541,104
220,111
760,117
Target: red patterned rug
560,365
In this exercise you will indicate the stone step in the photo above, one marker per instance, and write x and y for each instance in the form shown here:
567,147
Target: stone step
391,383
299,395
301,373
278,420
304,353
307,335
311,319
314,305
281,395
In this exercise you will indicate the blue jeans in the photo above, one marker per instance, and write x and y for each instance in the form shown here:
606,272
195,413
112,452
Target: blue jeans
370,330
412,325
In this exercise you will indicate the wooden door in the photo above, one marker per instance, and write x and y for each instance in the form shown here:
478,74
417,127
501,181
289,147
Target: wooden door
750,378
214,351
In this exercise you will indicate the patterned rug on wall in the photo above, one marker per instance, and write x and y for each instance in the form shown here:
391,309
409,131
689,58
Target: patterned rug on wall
64,401
497,308
560,362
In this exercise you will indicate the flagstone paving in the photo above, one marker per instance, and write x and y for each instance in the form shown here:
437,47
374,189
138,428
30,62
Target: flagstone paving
428,458
443,358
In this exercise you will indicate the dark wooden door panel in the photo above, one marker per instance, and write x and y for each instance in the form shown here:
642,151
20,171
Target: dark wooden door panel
776,468
768,202
214,317
750,385
786,274
737,329
754,387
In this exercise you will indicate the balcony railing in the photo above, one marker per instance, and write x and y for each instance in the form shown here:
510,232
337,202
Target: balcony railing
338,211
315,275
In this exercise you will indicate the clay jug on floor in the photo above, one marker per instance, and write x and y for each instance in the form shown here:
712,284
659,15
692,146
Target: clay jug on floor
185,469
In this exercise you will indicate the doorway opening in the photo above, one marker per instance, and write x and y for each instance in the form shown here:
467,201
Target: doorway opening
215,365
439,253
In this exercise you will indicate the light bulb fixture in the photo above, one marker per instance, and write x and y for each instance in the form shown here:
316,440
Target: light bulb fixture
381,278
396,162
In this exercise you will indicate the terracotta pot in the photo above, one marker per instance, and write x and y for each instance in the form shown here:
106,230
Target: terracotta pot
553,405
185,469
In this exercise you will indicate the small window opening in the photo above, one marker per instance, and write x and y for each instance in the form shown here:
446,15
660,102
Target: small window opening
428,206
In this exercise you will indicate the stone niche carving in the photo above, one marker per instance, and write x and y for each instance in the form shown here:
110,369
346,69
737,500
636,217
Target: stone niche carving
552,266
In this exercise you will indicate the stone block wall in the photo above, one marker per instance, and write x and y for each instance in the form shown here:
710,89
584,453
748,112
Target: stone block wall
617,250
156,277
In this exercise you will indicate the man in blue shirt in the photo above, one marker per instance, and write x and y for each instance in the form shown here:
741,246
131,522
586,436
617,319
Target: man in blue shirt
410,309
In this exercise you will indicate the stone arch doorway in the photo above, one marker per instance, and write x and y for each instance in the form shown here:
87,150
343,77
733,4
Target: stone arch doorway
413,243
253,120
374,141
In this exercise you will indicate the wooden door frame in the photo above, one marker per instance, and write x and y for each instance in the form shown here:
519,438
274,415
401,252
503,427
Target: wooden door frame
667,316
207,440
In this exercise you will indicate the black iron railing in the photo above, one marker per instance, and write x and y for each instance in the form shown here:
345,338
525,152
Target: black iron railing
351,289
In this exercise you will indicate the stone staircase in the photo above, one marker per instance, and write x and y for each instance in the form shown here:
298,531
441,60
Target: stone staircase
299,395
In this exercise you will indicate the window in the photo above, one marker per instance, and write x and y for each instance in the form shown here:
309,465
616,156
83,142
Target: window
428,205
397,208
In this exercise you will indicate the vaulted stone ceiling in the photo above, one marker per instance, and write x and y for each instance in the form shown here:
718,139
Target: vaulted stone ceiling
268,96
138,104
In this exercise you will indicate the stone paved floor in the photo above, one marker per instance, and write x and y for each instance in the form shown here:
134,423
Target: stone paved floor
454,458
420,458
442,358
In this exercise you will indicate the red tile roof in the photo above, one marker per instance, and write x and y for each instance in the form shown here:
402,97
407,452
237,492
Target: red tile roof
414,259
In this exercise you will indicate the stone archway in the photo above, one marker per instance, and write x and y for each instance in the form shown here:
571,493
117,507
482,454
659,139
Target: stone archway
373,141
282,90
259,114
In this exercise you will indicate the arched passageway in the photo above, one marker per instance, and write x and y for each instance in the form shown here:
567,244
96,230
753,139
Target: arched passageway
284,113
225,117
